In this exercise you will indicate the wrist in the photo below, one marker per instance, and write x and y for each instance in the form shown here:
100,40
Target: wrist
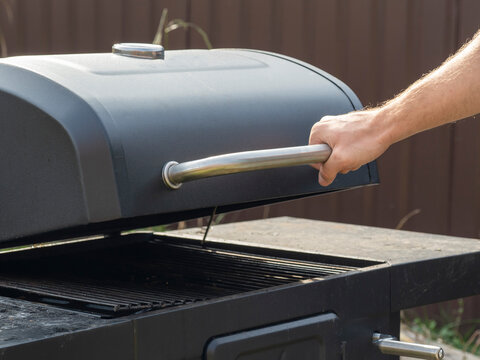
383,126
388,120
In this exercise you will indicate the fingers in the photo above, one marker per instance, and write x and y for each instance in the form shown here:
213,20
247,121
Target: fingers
316,137
324,179
355,139
332,131
327,172
336,164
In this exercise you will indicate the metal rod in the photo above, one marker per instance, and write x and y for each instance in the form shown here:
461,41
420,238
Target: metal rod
208,226
391,346
174,174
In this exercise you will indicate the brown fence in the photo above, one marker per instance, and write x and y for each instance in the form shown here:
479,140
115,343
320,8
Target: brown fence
377,47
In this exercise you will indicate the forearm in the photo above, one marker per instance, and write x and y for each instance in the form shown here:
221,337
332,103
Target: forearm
447,94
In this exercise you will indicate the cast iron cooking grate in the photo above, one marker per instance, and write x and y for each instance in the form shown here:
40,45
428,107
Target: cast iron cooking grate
151,275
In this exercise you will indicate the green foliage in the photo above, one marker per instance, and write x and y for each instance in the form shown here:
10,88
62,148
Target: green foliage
450,328
158,228
165,28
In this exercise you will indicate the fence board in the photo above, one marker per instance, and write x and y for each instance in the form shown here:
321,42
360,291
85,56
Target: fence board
359,37
465,189
391,197
35,26
84,26
137,21
61,35
465,199
109,29
258,22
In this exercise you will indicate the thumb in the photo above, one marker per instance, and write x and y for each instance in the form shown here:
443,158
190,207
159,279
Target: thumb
326,173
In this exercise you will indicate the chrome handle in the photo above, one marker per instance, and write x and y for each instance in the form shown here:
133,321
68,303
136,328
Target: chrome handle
174,174
139,50
391,346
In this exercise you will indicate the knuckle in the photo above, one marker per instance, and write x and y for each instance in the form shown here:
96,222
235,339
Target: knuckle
341,161
316,127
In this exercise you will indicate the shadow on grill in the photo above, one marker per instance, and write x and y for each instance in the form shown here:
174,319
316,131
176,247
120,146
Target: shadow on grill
150,275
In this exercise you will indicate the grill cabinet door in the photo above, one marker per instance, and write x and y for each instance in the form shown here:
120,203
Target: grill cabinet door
311,338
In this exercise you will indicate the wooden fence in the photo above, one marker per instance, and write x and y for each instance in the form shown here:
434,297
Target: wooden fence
377,47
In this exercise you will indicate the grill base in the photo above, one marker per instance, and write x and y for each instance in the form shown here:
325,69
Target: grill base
155,274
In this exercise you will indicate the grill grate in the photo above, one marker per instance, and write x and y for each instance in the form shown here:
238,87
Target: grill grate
150,275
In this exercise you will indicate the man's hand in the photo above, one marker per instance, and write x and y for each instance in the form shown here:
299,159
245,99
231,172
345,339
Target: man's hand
355,138
447,94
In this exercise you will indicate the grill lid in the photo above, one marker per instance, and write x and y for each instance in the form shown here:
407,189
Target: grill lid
84,138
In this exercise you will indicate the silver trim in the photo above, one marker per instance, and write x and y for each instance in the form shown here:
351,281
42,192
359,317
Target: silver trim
391,346
175,174
166,178
139,50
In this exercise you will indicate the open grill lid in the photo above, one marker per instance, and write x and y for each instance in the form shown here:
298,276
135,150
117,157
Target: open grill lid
84,137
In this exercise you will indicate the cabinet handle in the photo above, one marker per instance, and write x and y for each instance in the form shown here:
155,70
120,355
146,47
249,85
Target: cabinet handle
391,346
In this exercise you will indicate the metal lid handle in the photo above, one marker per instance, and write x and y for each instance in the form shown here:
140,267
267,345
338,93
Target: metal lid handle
174,174
139,50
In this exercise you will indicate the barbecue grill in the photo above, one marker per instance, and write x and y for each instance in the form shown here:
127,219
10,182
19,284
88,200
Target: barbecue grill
95,145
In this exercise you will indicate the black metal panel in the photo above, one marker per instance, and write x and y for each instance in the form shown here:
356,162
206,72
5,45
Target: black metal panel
313,338
114,341
191,327
356,335
350,339
24,321
430,281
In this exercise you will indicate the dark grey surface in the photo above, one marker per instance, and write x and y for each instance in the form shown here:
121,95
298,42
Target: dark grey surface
56,163
24,321
422,269
312,338
115,121
323,237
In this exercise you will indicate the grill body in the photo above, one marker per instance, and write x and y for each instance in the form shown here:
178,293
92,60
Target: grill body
327,306
220,302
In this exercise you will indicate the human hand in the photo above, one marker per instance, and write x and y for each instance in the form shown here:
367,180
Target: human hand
356,138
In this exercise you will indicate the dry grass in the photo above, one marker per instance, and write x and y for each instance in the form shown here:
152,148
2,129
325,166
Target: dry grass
165,27
5,7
